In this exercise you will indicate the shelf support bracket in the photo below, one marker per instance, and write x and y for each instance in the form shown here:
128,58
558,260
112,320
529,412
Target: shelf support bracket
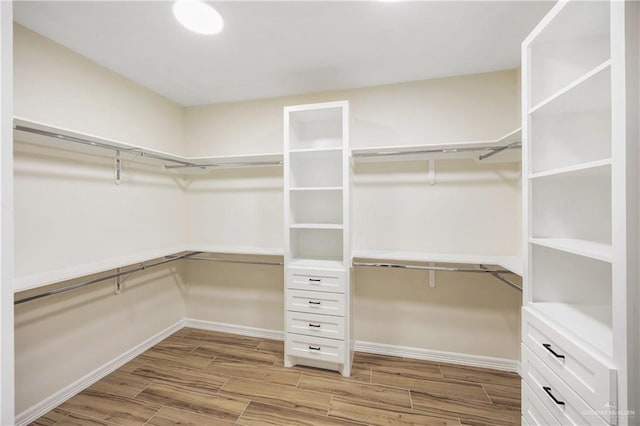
118,283
431,175
118,167
432,277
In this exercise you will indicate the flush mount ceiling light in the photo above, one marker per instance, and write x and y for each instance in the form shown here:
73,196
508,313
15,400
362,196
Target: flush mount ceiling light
198,16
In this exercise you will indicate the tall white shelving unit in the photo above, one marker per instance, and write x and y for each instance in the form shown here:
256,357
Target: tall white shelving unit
317,180
574,352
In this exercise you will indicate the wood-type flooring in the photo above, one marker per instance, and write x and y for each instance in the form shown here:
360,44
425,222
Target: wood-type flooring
197,377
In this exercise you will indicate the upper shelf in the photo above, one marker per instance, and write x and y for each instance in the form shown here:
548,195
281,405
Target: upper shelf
43,134
502,150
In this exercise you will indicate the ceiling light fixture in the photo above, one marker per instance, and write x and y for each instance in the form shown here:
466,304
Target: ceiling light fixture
198,16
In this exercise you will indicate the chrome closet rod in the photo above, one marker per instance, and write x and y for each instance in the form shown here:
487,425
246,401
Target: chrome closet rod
222,165
517,144
439,151
251,262
102,145
494,272
64,289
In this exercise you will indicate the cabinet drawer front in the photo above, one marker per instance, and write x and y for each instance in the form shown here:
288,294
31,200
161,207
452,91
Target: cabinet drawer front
314,348
315,302
316,280
534,413
589,377
563,404
315,325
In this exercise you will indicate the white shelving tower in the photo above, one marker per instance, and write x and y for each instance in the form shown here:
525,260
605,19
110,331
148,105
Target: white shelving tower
575,323
317,185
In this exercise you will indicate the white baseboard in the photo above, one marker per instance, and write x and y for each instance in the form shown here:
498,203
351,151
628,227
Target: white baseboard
242,330
61,396
43,407
469,360
371,347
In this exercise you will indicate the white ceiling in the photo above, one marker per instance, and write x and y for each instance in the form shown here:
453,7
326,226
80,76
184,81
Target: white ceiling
272,49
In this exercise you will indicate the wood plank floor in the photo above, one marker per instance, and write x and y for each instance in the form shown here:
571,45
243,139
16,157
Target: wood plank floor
197,377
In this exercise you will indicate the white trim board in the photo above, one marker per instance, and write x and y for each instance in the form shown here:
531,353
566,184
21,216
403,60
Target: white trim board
470,360
44,406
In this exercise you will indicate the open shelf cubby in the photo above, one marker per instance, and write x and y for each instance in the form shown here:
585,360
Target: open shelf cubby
316,244
316,169
575,205
576,292
316,207
316,128
574,43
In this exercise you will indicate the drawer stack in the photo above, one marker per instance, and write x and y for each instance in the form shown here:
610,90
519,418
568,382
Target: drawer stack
315,322
564,382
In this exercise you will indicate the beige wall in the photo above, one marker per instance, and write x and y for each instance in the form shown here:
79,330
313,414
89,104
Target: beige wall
62,338
59,87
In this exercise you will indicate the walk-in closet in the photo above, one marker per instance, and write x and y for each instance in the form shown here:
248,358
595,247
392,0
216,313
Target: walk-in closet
319,213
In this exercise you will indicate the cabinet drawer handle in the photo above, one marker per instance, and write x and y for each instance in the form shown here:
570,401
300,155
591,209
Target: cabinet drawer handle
313,302
547,346
317,348
314,325
315,280
547,389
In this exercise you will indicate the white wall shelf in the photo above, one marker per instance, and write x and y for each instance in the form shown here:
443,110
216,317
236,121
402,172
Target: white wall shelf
315,226
445,151
591,249
35,133
52,277
589,92
593,168
511,263
316,188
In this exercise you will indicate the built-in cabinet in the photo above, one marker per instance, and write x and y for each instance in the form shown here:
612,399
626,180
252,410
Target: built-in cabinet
574,350
317,180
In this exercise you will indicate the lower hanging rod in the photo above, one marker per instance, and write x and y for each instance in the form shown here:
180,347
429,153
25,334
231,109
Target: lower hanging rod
70,287
430,268
493,272
250,262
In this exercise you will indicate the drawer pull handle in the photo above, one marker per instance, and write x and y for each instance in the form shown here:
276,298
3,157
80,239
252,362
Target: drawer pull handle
317,348
547,346
547,389
315,280
314,302
314,325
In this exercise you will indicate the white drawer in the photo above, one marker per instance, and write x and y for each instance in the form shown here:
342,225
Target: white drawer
588,376
563,404
317,348
315,325
315,302
534,413
316,280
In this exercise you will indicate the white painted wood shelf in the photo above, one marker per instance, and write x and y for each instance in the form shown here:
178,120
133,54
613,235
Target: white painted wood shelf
511,263
42,134
591,168
590,249
587,93
42,279
443,151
